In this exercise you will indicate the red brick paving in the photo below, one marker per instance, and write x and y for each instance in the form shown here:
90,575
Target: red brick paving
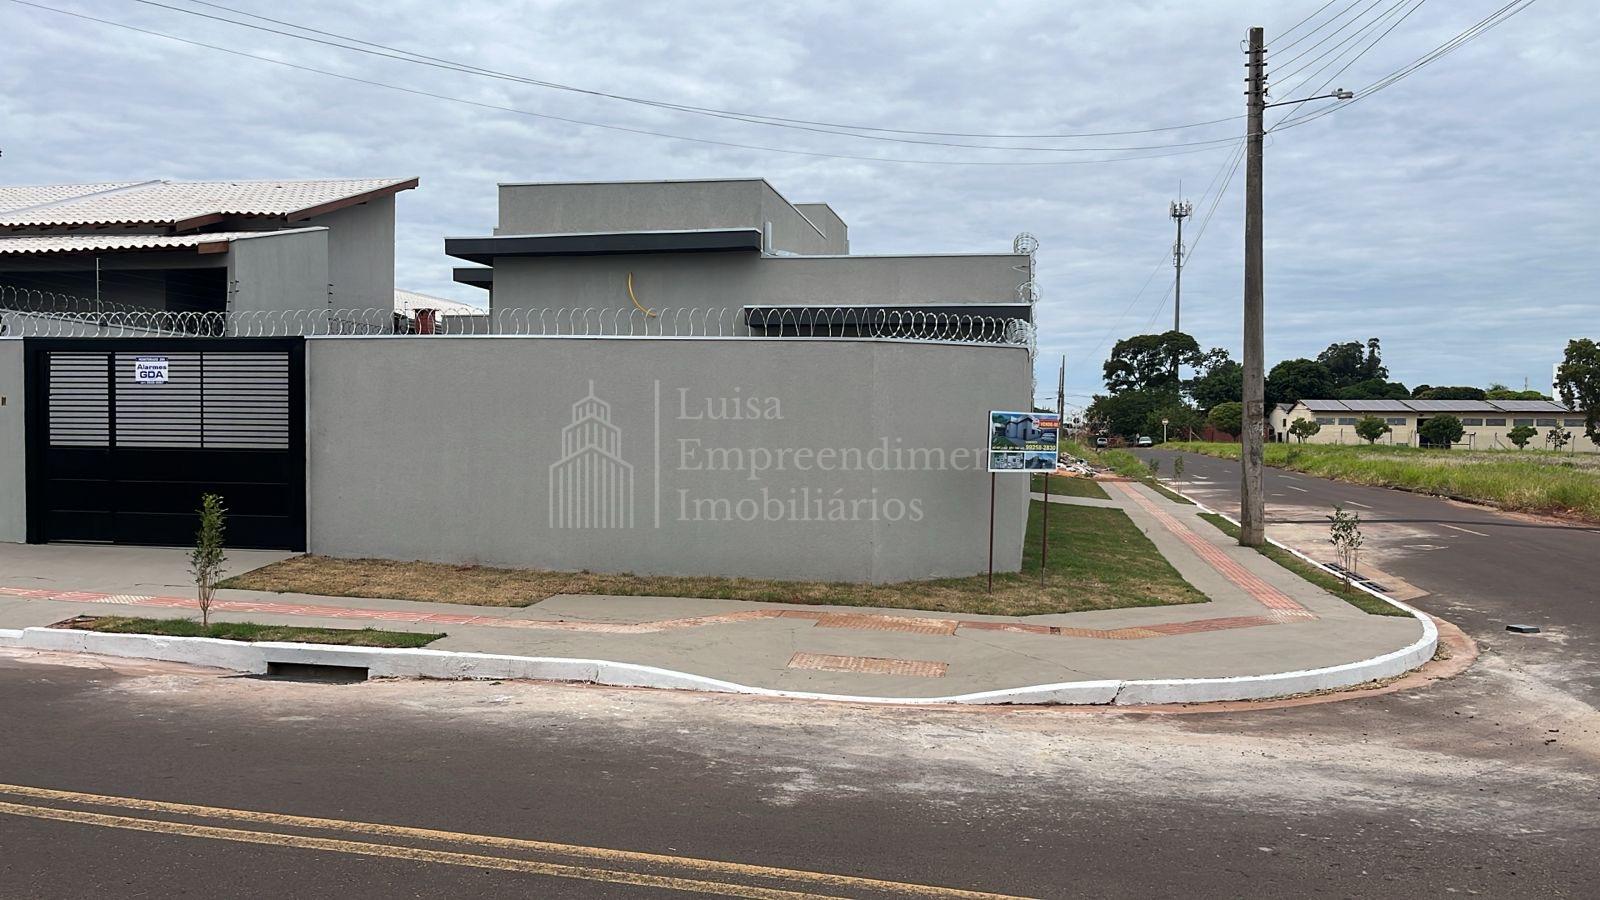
1249,582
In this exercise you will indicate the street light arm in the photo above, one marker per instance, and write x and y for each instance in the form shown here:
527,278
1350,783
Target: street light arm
1340,94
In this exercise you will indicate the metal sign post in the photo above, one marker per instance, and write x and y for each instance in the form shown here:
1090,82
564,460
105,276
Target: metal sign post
1025,442
991,532
1044,532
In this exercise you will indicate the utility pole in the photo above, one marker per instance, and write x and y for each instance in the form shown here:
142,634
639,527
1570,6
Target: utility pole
1252,503
1178,210
1061,390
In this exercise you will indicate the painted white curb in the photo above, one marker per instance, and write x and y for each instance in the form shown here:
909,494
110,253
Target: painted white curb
381,662
253,658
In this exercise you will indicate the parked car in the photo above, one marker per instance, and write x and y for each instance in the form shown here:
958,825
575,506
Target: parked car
1101,443
1146,441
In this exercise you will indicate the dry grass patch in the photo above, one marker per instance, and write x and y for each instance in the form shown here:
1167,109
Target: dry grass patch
1098,560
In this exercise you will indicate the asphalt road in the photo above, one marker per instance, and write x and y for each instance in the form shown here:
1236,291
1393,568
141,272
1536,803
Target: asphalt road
1422,793
1486,783
1482,569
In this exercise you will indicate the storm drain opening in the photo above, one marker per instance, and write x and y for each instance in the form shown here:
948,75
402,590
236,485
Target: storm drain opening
318,672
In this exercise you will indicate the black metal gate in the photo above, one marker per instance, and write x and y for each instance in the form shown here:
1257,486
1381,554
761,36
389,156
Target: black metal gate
126,434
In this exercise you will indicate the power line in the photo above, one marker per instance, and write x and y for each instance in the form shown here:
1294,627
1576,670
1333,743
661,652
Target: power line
1337,51
820,127
1336,16
1342,69
1161,263
1290,30
608,126
1330,36
1467,35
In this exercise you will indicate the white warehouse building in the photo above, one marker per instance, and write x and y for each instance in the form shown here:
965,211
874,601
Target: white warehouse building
1488,422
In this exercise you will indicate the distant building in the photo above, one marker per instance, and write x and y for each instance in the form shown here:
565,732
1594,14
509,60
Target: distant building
1487,422
204,246
629,248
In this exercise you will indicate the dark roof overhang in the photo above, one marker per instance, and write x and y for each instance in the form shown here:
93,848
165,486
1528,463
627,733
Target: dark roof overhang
484,250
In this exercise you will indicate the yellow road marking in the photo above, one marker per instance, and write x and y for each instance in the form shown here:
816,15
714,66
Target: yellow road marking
362,848
821,880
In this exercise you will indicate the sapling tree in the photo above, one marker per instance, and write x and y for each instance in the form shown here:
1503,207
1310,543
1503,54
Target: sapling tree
1177,468
1558,437
206,559
1345,536
1521,435
1155,467
1303,428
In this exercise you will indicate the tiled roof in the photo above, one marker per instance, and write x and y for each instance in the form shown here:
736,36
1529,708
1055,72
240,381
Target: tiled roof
406,301
86,243
1435,406
15,197
173,202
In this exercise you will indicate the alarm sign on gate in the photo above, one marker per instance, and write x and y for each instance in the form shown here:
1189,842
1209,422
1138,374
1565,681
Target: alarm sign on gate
150,370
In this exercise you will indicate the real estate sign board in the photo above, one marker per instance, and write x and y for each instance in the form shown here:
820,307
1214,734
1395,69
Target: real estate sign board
1023,441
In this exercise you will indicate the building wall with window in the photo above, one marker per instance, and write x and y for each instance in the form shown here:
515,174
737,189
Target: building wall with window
1487,427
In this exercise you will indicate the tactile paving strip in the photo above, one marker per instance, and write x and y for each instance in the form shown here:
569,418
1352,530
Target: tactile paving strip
868,665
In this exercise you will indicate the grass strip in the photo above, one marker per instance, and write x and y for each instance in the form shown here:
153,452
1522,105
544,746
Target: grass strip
1528,481
1317,575
1098,560
252,632
1074,486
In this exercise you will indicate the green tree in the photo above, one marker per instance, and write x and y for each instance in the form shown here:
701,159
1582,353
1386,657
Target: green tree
1294,380
1304,428
1217,379
1460,392
1442,430
1370,428
1127,412
1578,381
1373,389
1521,435
206,559
1149,362
1227,418
1498,391
1352,362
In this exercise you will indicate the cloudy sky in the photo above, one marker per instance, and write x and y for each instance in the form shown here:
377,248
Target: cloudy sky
1452,214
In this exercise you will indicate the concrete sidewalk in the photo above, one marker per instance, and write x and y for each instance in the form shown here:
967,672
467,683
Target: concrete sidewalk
1262,620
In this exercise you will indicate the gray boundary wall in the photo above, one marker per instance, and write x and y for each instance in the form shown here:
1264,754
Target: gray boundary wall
13,444
797,459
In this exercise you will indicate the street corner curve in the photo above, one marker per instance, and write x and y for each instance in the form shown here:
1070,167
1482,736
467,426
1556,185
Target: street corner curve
255,658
